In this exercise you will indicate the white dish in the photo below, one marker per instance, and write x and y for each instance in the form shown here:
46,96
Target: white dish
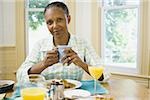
75,82
76,93
6,85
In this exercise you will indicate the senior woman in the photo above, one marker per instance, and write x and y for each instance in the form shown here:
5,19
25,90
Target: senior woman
44,58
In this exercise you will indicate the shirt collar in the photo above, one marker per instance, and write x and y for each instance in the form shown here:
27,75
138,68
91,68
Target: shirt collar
49,45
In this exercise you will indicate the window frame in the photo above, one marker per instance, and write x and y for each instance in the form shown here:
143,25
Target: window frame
27,10
114,68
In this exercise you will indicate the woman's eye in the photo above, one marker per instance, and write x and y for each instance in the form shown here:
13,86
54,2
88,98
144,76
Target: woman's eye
49,22
59,19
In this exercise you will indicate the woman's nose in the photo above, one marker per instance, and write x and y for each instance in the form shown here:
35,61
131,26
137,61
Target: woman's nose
55,24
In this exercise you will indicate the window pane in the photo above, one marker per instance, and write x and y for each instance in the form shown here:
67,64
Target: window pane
37,28
36,19
120,2
120,45
38,3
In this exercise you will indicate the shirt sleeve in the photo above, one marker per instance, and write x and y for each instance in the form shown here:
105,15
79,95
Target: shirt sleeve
32,58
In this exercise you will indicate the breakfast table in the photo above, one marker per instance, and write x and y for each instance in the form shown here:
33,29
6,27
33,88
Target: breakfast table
119,89
127,89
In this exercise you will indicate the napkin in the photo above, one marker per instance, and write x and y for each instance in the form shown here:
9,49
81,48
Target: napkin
89,86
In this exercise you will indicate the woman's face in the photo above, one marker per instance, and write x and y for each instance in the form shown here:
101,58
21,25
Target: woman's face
57,21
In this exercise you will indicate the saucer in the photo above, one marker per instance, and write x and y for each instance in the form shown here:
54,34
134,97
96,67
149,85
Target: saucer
76,93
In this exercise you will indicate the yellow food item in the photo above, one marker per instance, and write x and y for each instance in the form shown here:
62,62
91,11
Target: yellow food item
67,84
33,94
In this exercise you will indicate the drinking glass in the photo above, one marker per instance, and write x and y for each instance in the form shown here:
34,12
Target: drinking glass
34,88
35,80
33,93
96,72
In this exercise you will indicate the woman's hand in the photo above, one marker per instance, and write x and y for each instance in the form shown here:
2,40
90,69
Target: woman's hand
50,58
71,57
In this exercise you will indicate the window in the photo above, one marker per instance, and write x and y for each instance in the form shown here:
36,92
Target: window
120,28
35,24
120,31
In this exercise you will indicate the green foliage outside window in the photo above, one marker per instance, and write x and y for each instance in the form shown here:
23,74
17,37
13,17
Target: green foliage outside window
38,3
120,34
36,18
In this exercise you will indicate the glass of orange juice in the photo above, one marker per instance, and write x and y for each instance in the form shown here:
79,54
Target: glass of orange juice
96,72
33,93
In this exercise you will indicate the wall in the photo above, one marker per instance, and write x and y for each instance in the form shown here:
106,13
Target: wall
7,39
1,25
95,27
87,24
144,62
83,19
7,62
72,6
149,34
7,20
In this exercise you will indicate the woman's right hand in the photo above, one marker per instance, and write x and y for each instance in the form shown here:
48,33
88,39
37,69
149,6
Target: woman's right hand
50,58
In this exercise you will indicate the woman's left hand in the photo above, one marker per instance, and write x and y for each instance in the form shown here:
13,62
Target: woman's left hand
71,57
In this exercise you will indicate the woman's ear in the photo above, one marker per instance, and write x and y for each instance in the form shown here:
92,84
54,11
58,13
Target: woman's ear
69,18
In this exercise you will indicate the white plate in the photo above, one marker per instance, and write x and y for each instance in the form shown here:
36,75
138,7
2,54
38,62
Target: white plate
75,82
76,93
6,85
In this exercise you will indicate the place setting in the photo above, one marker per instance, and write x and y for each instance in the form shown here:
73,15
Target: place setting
5,86
58,88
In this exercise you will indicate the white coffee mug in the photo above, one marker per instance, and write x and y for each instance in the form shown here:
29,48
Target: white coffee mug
61,49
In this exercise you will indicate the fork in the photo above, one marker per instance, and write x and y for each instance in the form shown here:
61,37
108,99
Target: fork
76,97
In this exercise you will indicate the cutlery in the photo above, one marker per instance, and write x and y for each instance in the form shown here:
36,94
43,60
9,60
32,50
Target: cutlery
76,96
